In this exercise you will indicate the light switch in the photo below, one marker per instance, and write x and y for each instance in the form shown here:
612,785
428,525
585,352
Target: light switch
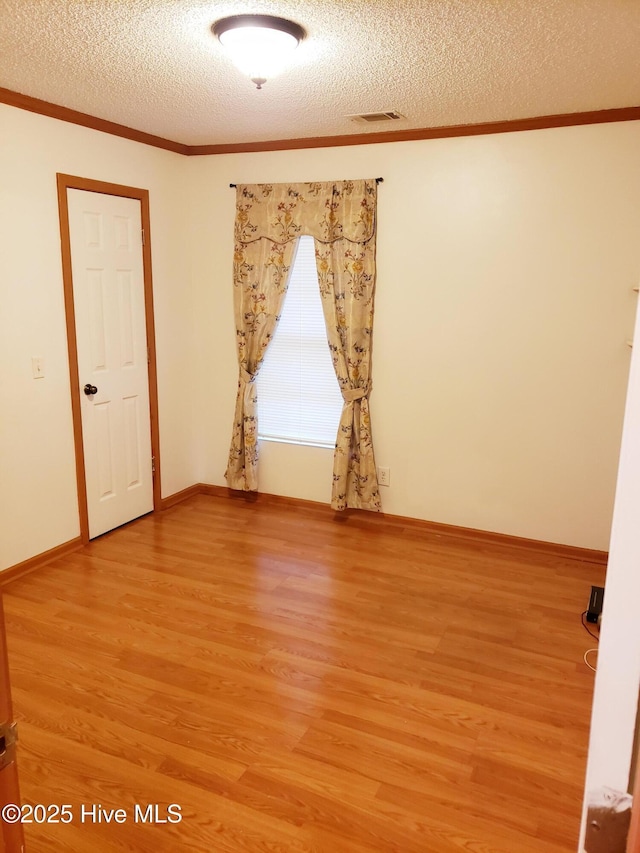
37,365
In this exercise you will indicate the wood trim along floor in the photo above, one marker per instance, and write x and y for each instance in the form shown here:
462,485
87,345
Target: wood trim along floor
27,566
181,496
36,105
370,519
354,517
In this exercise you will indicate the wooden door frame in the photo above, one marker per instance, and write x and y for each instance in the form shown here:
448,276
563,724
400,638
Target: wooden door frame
67,182
11,836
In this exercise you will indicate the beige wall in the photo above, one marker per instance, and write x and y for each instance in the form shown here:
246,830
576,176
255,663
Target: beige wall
38,499
510,363
504,302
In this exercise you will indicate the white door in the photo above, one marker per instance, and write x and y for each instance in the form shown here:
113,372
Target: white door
108,293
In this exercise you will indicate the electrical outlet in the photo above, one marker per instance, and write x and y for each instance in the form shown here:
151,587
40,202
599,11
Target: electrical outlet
384,476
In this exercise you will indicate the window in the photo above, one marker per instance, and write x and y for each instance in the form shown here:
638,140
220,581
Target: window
299,400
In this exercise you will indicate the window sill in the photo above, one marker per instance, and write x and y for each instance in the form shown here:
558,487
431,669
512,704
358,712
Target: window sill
299,441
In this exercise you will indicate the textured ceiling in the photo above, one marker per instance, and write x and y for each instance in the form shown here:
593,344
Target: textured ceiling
154,65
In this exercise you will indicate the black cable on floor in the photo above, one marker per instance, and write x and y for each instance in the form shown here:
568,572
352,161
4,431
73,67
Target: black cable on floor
586,627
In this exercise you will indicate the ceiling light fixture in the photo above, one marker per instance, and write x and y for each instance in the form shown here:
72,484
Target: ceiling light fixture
259,45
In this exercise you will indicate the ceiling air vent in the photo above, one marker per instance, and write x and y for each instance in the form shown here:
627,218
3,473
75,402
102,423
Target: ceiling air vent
390,115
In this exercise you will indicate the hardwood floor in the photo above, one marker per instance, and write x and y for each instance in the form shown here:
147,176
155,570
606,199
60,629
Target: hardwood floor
297,683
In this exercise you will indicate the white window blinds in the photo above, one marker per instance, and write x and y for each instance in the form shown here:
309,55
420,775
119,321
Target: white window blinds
299,400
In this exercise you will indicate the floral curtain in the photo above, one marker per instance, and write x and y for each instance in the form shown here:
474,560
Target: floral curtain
260,275
341,217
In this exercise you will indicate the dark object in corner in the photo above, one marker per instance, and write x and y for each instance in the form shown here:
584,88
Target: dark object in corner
595,604
608,818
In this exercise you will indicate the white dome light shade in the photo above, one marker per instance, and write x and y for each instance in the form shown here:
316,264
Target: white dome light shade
259,45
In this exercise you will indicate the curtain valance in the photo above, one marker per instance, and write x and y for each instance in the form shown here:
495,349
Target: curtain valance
327,211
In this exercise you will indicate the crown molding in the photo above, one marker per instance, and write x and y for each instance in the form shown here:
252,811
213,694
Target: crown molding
36,105
411,134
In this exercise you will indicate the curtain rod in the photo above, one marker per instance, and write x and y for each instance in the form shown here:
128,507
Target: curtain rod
378,181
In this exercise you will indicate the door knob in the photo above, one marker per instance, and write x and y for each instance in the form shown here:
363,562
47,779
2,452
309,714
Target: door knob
90,389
